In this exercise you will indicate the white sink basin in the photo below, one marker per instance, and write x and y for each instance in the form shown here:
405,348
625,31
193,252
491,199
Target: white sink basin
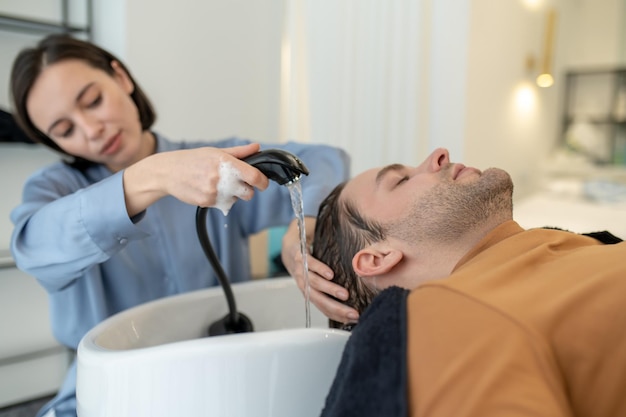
153,360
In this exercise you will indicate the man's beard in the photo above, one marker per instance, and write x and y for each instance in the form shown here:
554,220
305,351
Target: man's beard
450,209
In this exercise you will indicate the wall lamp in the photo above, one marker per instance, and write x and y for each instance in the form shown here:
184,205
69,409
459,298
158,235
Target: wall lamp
545,78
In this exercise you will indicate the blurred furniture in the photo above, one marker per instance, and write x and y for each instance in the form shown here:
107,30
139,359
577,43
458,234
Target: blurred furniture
578,205
594,117
32,363
16,23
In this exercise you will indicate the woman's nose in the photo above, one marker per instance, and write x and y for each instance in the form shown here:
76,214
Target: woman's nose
92,127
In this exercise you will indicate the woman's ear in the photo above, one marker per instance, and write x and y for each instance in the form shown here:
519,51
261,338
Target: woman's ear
374,261
122,77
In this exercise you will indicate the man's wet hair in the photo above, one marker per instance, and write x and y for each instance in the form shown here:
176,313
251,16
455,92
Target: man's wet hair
340,232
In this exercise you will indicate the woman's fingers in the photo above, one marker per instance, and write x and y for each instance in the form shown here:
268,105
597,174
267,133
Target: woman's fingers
330,307
324,294
248,174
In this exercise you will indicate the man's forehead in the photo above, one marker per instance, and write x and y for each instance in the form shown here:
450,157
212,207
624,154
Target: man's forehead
360,185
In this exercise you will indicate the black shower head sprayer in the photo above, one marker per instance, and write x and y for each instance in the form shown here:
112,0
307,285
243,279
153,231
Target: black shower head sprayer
278,165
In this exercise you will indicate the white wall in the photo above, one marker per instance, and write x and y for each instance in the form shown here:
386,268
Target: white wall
511,123
211,68
448,79
472,91
109,29
595,33
384,80
337,88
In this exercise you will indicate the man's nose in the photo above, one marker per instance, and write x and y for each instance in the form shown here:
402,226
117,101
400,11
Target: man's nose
438,159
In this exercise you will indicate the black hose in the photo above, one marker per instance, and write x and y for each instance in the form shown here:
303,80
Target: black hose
234,322
277,165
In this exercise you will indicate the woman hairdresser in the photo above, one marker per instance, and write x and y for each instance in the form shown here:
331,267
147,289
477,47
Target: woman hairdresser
114,225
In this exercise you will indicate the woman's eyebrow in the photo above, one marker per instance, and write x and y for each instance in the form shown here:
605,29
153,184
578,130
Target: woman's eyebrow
81,93
385,170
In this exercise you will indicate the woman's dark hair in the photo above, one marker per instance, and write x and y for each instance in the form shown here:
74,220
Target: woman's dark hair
340,232
29,64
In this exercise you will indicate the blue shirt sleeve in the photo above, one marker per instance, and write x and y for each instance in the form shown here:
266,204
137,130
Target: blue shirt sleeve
59,227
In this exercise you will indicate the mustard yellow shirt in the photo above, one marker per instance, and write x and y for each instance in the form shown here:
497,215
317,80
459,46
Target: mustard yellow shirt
530,323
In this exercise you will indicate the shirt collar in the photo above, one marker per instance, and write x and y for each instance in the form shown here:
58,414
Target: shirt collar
497,235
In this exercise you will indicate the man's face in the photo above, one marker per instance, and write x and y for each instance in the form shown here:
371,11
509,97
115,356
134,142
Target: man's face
435,200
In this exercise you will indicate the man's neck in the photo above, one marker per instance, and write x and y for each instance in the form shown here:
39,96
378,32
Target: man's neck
436,260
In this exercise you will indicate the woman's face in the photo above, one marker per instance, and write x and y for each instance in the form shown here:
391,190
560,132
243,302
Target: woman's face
89,113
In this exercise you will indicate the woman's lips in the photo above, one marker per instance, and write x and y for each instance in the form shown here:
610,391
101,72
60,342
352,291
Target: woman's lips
112,145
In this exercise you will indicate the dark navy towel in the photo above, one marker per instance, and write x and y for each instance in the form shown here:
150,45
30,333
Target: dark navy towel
605,237
602,236
372,375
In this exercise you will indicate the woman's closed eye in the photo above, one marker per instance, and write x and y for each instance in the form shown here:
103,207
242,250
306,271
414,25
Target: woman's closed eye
63,130
95,102
90,96
67,133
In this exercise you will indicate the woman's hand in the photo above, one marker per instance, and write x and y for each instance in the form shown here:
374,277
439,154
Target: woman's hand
321,287
192,176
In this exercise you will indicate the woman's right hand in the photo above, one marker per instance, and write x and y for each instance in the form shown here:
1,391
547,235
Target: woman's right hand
190,175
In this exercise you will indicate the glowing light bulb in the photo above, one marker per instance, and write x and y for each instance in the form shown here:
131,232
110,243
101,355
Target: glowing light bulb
545,80
525,100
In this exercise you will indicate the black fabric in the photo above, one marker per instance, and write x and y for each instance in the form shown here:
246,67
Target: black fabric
605,237
9,131
371,379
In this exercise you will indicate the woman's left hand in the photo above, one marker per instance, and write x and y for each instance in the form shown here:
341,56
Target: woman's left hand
323,293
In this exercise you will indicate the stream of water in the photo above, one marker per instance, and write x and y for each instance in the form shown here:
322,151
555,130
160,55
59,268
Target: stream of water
295,191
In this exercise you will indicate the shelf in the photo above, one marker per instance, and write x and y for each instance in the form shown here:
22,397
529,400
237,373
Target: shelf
596,120
12,23
6,260
599,71
594,116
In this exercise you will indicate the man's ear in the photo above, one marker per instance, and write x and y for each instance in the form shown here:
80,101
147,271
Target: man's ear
374,261
122,77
